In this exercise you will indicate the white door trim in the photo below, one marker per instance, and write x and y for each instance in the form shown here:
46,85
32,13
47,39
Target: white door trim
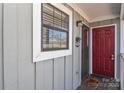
90,51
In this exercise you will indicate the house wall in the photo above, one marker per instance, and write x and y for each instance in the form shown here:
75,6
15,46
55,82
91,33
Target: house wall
122,46
108,22
122,28
1,61
17,70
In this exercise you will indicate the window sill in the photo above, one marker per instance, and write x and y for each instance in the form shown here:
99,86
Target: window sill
51,54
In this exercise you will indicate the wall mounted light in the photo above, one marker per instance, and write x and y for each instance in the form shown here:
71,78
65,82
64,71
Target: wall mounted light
79,23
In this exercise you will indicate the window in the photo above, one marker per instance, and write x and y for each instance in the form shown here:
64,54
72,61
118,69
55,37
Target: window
52,31
55,28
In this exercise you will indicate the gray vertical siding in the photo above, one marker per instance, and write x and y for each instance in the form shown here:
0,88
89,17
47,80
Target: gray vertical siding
76,53
117,22
16,63
1,61
68,73
44,75
10,47
59,73
26,67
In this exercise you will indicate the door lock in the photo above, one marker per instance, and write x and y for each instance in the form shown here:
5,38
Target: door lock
113,57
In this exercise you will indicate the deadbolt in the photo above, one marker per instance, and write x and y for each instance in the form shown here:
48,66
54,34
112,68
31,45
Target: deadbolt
112,57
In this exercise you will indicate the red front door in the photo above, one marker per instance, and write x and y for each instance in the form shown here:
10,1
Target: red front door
103,46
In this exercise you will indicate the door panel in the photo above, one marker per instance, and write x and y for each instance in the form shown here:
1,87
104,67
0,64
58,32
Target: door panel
103,51
85,49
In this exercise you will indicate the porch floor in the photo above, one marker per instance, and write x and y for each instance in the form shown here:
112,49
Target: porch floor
94,82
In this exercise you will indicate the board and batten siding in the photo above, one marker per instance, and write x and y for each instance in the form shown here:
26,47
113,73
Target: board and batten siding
76,53
17,70
10,50
1,59
109,22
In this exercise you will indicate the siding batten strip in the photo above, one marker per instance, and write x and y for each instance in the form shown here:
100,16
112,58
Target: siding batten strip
73,51
53,74
35,64
35,75
2,47
64,72
17,34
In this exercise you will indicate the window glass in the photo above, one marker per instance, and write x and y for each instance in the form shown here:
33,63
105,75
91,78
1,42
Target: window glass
55,32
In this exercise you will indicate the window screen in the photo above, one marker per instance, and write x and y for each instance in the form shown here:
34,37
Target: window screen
55,28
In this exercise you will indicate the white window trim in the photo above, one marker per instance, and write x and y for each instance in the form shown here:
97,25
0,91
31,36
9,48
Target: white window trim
37,54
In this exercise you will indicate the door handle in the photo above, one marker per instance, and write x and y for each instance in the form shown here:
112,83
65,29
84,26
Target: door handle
113,57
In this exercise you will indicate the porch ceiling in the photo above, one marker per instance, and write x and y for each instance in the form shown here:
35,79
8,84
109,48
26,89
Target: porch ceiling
100,11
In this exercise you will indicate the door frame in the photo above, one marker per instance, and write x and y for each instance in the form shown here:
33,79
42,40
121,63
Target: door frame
90,50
